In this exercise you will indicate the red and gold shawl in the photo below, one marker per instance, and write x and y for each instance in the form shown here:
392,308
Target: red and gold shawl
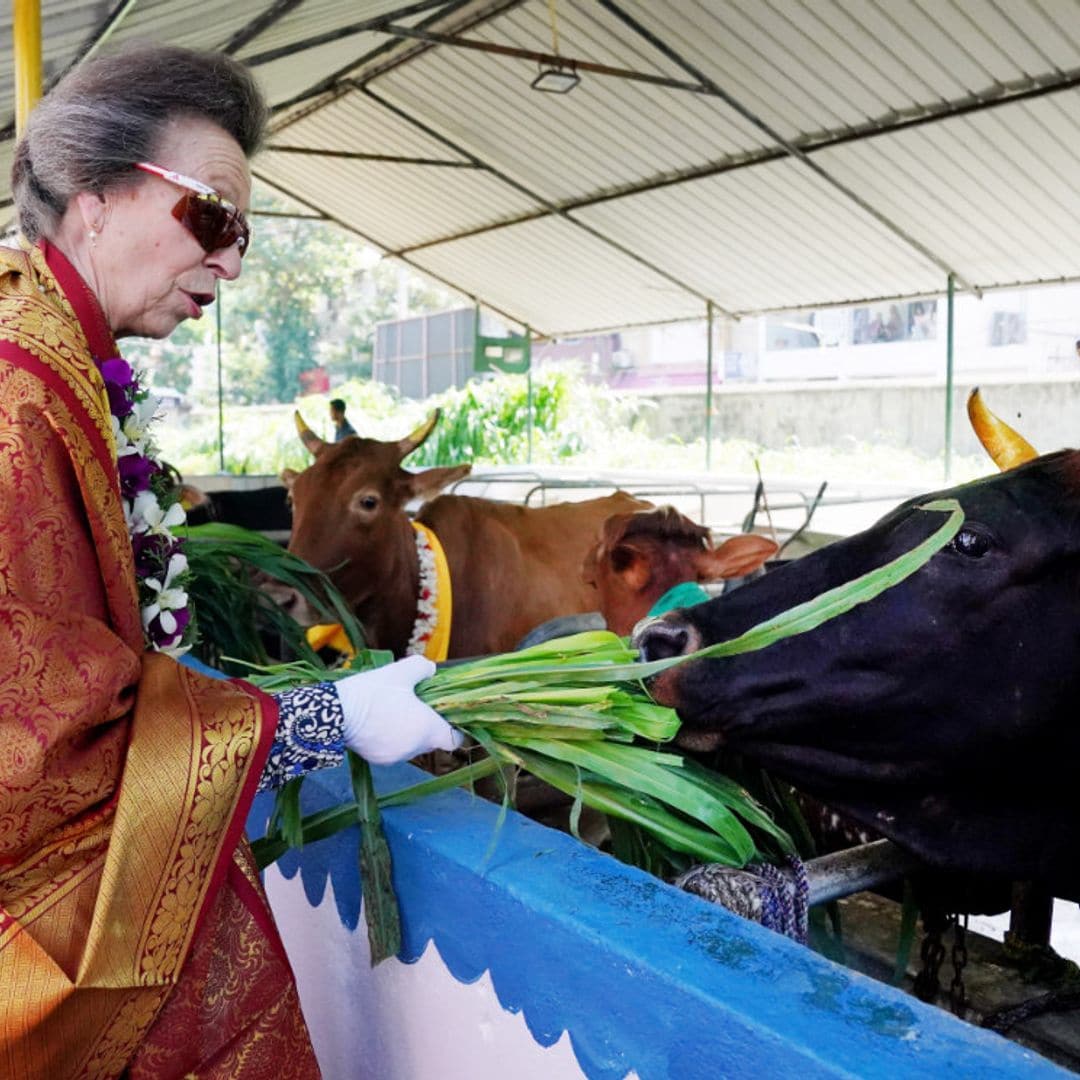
133,932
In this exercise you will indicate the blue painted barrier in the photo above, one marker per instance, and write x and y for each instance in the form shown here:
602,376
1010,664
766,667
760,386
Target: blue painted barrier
642,976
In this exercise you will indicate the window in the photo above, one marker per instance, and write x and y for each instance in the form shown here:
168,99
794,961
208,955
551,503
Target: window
915,321
1008,328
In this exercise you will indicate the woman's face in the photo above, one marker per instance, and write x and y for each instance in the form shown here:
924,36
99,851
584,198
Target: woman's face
148,270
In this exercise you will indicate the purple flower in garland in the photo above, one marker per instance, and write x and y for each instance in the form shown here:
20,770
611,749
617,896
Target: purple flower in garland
152,552
159,637
135,473
160,564
121,385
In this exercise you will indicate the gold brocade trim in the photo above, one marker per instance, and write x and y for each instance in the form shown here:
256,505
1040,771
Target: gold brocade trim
36,316
99,904
122,1034
189,755
58,868
101,496
218,772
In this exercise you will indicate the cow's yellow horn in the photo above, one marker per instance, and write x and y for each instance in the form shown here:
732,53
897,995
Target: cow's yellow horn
307,436
1007,447
412,441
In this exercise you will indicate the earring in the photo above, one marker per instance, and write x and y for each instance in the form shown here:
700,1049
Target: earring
93,237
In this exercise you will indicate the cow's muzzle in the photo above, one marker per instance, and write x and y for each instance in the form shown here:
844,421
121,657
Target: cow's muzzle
663,638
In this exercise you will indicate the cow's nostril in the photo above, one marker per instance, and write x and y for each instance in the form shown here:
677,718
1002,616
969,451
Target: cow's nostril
659,640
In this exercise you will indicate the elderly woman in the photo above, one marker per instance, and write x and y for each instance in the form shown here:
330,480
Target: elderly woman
134,937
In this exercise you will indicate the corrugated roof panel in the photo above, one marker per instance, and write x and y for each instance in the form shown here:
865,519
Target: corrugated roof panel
805,68
290,77
987,193
748,236
355,122
189,23
314,17
993,192
65,26
286,204
605,133
552,276
395,205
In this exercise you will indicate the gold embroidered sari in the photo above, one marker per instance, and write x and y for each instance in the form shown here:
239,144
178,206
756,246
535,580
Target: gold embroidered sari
134,937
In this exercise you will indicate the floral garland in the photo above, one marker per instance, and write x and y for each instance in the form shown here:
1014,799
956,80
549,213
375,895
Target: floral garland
427,614
151,510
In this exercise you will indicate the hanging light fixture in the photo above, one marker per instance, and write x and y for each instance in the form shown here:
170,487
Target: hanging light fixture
556,78
559,76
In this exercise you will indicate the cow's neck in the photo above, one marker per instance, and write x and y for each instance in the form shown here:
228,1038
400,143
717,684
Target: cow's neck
431,627
388,608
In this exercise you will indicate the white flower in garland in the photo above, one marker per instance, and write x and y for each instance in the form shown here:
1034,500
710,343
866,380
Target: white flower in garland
136,425
148,515
150,511
170,597
427,612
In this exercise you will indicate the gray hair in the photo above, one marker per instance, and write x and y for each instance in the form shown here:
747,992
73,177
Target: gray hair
112,111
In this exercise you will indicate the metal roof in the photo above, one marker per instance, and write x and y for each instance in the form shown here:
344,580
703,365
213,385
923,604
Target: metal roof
755,154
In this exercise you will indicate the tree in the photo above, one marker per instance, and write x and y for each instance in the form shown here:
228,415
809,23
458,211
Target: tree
308,295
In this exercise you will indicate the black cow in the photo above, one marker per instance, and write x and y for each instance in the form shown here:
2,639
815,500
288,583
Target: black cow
262,509
944,712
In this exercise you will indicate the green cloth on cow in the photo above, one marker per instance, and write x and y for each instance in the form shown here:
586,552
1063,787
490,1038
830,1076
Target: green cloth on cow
685,594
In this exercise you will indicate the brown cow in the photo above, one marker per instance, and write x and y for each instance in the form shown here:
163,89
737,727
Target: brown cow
641,555
511,567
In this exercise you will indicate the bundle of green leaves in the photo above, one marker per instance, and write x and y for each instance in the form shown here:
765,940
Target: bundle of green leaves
575,713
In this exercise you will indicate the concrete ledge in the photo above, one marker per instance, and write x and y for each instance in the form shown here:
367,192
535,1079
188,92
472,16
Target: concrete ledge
645,978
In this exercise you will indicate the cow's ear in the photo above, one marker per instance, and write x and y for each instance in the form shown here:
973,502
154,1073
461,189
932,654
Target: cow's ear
191,496
427,484
288,477
632,565
734,557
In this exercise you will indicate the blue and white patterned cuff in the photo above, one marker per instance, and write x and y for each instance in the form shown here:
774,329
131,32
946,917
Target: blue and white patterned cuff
308,736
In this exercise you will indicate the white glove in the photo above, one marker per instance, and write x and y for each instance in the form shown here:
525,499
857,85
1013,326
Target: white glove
385,721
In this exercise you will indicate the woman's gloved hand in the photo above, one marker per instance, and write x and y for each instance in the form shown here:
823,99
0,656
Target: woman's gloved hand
385,721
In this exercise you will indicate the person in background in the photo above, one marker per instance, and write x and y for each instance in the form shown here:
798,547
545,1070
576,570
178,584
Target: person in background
342,427
135,939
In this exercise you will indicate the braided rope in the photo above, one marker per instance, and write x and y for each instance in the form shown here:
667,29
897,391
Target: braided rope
776,897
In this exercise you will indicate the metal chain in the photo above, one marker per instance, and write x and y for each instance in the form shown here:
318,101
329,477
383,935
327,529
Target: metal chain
957,991
932,953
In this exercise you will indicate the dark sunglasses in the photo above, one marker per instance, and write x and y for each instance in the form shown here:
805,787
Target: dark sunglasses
214,221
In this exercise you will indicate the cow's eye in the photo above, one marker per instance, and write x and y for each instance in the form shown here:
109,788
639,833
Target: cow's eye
973,543
364,503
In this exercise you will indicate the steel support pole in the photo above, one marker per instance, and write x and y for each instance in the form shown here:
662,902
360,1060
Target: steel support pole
708,384
26,37
220,389
949,377
529,393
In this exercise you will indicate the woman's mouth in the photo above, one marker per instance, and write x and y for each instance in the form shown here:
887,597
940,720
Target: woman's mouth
196,302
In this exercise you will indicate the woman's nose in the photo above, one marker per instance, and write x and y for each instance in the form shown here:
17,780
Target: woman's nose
225,262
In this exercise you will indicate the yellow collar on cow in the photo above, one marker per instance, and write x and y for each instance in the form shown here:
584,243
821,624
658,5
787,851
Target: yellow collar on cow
434,604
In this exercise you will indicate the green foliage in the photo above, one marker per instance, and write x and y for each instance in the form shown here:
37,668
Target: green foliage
229,569
485,422
309,295
572,712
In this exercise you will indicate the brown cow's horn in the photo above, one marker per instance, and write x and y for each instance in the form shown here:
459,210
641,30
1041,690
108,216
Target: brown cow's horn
411,442
307,436
1007,447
